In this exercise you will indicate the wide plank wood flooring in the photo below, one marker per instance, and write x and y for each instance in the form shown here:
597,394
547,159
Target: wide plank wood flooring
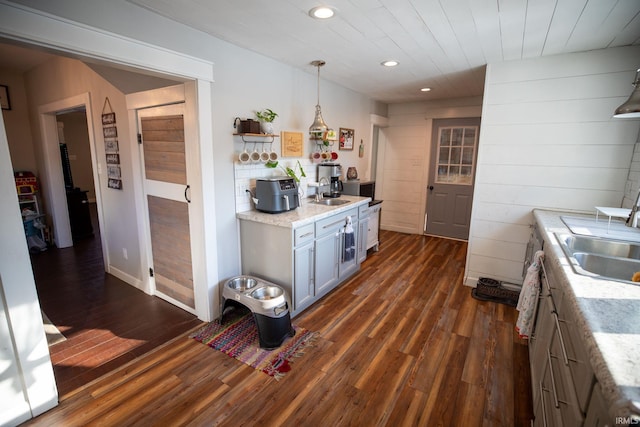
402,343
107,322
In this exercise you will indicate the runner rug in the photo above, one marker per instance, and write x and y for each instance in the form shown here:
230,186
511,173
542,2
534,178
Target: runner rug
238,338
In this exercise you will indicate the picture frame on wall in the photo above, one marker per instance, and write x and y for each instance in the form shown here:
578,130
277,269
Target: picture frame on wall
291,144
111,145
110,132
5,102
346,137
108,119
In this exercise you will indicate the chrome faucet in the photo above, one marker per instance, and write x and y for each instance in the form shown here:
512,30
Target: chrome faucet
319,195
631,221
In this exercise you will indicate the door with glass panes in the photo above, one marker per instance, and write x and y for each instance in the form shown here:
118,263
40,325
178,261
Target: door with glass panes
452,168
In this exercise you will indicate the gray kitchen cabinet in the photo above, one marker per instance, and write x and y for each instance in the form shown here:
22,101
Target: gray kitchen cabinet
363,228
331,265
562,378
307,261
597,413
304,267
326,259
373,227
364,214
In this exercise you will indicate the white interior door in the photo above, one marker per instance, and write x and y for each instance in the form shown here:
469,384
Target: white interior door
163,154
454,151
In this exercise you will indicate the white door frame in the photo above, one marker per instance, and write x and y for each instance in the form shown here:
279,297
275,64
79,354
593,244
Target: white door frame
184,93
82,41
54,182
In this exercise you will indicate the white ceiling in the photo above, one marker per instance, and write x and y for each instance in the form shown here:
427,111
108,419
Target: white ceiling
443,44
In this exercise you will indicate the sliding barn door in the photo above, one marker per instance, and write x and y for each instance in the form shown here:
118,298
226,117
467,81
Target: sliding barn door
167,197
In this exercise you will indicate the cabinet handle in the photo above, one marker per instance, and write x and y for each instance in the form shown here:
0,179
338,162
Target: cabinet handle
544,277
311,270
553,381
544,408
341,221
186,190
307,234
562,347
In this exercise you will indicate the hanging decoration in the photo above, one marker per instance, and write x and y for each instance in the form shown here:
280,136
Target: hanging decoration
318,128
111,148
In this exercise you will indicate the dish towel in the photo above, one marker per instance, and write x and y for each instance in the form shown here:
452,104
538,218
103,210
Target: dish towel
349,241
529,297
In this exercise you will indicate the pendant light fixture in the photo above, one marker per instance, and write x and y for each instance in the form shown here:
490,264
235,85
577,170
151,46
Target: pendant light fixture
631,108
319,127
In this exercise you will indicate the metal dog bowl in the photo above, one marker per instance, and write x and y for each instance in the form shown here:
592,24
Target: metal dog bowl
242,283
267,292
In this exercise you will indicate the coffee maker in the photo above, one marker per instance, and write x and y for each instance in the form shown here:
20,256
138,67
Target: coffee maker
331,172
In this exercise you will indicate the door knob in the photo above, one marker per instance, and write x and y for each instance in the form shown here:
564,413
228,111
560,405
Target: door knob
431,188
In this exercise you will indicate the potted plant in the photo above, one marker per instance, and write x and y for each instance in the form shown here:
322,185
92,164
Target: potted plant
266,117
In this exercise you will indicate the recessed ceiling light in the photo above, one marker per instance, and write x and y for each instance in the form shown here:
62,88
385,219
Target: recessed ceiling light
322,12
426,89
390,63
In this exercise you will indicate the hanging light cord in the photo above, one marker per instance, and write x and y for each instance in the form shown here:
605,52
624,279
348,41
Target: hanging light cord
318,84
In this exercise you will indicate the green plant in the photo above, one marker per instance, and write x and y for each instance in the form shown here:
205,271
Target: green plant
292,173
266,115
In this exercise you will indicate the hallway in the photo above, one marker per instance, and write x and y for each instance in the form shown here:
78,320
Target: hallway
107,322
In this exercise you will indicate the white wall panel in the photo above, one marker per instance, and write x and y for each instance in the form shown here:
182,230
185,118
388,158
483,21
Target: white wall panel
577,155
548,140
503,250
553,176
605,133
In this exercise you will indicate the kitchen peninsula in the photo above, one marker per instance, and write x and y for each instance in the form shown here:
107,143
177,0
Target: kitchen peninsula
306,250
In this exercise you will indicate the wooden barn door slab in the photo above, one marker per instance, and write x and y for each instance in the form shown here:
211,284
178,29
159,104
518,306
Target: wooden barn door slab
165,180
169,223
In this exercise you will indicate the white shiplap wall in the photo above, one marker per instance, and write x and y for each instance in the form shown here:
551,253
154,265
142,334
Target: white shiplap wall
548,140
403,159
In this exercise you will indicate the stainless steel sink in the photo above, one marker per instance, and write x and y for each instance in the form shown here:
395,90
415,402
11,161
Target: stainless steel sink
613,268
593,245
599,257
330,202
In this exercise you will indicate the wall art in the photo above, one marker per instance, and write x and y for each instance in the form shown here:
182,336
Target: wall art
345,137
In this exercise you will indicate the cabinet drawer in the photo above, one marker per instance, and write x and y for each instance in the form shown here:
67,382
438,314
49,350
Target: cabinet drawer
333,223
304,234
364,211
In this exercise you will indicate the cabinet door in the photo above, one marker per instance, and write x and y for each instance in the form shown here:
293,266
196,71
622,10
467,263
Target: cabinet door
348,258
363,234
303,281
541,340
372,235
327,257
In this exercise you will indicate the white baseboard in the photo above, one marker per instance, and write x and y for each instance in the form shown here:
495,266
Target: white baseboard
127,278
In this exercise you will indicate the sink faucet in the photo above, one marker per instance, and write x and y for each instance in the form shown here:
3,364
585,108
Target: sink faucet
319,194
631,221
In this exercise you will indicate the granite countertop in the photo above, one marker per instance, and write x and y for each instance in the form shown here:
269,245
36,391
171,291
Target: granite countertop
608,313
307,213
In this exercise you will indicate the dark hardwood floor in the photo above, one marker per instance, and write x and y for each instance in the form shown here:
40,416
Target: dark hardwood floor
107,322
402,343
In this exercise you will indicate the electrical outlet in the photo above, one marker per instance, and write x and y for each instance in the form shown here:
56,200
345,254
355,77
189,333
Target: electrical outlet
124,253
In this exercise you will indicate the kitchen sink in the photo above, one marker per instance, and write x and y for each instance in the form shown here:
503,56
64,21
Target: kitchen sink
614,248
610,267
330,202
599,257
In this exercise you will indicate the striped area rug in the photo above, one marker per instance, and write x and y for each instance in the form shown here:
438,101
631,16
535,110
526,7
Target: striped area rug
238,338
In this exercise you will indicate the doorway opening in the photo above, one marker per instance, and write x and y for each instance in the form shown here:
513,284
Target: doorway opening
91,308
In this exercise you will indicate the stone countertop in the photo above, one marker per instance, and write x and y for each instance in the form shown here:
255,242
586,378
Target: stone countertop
307,213
608,313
